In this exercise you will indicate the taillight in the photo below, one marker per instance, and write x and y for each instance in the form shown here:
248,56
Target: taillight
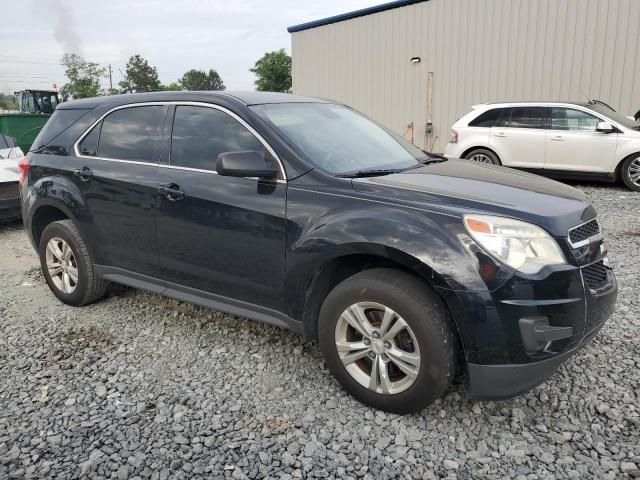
24,167
453,138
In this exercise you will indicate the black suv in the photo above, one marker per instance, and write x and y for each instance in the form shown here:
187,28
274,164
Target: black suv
405,266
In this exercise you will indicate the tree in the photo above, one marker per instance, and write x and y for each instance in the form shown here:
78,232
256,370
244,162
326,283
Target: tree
172,87
8,102
140,76
273,71
200,80
84,77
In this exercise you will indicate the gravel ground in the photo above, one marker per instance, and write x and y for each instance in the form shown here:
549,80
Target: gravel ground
137,386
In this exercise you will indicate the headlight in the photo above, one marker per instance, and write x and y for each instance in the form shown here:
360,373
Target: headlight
523,246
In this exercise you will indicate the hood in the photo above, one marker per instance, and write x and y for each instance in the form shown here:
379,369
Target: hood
461,186
9,171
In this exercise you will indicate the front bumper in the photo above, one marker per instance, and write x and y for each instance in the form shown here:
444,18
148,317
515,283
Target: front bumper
516,336
9,200
9,208
500,382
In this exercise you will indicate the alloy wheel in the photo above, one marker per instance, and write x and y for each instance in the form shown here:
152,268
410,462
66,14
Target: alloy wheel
61,265
634,171
481,158
377,347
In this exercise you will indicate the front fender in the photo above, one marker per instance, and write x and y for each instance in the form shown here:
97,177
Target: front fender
321,228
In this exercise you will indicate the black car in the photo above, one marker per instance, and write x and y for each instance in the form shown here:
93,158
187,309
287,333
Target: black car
408,268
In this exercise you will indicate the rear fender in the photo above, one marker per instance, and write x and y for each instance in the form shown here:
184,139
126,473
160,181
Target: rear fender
58,192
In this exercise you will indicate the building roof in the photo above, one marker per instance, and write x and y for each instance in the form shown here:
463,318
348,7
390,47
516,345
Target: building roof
355,14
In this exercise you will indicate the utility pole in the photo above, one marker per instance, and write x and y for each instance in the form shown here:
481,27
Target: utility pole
110,81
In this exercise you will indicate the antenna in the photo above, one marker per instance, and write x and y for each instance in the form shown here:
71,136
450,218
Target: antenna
586,96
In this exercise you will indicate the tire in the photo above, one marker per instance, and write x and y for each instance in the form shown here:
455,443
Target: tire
87,287
629,171
487,155
430,336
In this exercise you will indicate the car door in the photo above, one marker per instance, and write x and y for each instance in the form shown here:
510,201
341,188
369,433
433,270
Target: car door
519,137
118,176
222,235
573,143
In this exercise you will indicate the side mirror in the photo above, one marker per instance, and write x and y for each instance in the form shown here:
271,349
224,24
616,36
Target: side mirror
245,164
605,127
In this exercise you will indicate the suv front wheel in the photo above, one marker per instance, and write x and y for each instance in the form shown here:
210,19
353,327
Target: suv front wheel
67,266
387,338
630,173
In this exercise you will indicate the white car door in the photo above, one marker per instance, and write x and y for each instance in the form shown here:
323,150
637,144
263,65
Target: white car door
573,143
519,137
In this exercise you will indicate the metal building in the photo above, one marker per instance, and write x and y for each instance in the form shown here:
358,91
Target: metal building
415,62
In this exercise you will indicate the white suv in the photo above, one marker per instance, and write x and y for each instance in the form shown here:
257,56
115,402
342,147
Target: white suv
569,140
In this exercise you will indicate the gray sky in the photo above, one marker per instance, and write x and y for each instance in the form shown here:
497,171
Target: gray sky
173,35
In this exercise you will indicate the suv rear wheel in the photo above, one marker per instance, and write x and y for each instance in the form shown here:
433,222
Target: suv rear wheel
387,338
67,266
630,173
482,155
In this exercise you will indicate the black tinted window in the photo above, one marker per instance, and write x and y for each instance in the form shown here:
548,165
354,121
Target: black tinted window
489,118
89,144
130,133
528,117
58,123
200,134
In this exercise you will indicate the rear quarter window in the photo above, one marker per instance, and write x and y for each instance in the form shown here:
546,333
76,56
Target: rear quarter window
60,121
489,118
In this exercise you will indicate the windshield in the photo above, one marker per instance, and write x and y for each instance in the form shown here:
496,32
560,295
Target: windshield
615,116
338,140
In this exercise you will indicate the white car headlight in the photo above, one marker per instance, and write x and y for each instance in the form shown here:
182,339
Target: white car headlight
521,245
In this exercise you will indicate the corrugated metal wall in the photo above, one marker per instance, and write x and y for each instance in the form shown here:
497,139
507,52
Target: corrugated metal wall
480,51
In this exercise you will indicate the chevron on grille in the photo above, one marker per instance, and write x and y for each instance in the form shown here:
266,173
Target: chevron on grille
585,231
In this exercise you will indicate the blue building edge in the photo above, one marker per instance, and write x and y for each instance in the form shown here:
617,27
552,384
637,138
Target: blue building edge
355,14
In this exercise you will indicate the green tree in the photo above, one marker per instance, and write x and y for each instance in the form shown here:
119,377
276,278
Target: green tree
8,102
140,76
84,77
172,87
201,80
273,72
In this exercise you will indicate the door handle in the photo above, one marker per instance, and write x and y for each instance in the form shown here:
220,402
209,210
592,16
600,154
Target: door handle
84,173
499,134
557,138
171,192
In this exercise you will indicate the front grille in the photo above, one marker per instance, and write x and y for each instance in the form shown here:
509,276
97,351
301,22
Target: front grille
595,275
9,191
584,231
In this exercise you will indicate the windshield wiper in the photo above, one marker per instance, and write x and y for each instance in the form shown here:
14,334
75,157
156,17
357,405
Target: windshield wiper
433,158
378,172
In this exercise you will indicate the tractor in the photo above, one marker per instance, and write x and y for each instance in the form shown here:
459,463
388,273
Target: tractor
34,109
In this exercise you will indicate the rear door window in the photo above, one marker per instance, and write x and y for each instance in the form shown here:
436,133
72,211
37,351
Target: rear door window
200,134
130,134
528,117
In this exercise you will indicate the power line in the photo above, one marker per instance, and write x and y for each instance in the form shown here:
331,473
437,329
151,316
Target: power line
13,75
26,81
20,57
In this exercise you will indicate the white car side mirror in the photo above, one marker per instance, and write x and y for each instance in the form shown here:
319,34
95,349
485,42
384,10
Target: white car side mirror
605,127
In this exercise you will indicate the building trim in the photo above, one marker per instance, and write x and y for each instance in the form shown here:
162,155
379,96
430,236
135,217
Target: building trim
355,14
